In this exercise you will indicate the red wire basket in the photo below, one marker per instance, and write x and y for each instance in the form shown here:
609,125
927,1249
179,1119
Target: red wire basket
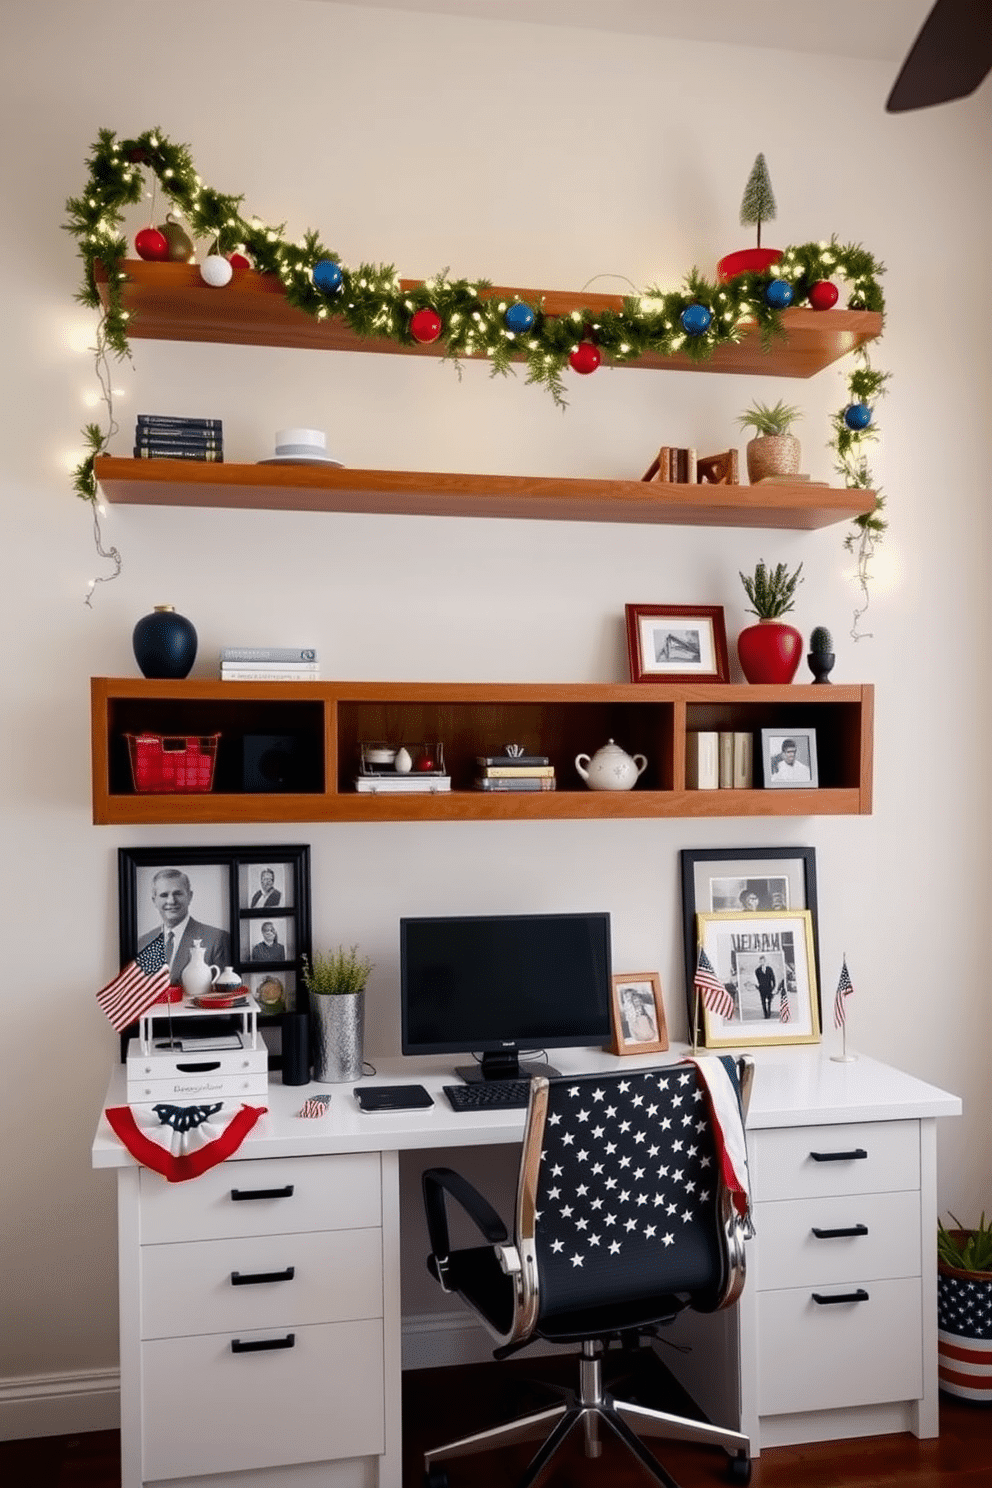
172,762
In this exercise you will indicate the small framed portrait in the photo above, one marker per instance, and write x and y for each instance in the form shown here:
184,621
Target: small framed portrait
727,880
677,643
221,897
767,992
639,1025
788,759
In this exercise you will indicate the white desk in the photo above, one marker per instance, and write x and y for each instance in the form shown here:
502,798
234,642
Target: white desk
326,1410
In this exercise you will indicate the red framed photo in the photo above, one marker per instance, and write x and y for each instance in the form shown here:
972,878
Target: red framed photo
677,643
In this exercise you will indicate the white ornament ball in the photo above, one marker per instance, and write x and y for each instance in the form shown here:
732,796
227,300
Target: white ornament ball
403,763
216,271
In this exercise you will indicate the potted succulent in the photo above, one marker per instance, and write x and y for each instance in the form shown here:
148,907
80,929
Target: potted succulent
773,451
964,1310
820,657
771,650
335,982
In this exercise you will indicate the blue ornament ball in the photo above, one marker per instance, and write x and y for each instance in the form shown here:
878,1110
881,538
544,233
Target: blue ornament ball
857,416
327,275
696,319
519,318
779,294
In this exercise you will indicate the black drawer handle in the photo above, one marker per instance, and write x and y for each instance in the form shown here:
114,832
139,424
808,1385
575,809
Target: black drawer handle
855,1155
241,1195
824,1301
257,1345
203,1067
253,1278
858,1229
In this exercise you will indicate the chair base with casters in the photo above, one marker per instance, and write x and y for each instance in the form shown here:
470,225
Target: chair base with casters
625,1217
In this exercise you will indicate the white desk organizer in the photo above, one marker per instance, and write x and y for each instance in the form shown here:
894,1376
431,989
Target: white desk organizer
156,1073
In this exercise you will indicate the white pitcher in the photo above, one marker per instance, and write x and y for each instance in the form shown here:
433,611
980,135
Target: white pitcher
196,976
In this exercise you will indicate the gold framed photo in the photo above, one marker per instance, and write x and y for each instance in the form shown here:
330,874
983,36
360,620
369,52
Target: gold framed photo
766,966
639,1025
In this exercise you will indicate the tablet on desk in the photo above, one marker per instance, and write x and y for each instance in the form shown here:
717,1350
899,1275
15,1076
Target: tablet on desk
393,1097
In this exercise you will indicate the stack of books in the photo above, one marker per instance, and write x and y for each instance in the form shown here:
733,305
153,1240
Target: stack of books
269,664
158,437
674,465
515,772
719,760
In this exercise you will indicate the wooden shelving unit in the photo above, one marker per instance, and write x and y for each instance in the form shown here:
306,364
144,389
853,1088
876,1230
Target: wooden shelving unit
170,302
443,494
329,720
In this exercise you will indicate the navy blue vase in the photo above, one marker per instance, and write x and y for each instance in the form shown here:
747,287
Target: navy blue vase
164,644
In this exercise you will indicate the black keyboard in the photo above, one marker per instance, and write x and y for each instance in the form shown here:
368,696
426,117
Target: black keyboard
488,1095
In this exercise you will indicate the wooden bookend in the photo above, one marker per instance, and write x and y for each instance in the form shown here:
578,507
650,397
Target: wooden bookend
658,469
718,470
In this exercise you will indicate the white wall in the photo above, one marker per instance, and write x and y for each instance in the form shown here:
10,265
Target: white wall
526,156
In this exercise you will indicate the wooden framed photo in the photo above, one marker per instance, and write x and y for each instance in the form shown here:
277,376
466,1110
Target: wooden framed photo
249,907
718,880
639,1025
766,967
788,759
677,643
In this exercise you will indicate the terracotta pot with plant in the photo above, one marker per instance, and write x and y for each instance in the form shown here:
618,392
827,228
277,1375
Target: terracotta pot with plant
774,450
771,650
964,1310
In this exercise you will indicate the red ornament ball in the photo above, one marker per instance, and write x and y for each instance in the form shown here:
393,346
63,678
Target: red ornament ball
239,263
585,358
152,244
823,295
425,325
425,763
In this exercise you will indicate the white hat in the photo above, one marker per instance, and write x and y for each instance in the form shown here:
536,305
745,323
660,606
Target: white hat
301,447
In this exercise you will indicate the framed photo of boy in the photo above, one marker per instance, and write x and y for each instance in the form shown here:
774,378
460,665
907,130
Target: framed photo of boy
788,759
766,965
677,643
639,1025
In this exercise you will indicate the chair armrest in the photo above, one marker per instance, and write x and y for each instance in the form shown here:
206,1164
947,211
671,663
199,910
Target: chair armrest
436,1183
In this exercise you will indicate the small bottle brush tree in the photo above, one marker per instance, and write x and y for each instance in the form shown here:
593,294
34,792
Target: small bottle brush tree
758,201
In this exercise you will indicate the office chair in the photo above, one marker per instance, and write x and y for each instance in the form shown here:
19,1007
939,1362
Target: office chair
632,1205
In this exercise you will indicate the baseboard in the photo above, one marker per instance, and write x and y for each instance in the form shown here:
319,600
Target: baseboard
59,1404
432,1340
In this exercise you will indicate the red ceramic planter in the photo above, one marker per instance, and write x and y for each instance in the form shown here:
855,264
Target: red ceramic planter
747,261
770,651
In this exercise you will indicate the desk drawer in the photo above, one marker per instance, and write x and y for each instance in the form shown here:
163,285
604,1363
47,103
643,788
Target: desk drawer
826,1356
210,1410
865,1157
789,1254
277,1196
284,1281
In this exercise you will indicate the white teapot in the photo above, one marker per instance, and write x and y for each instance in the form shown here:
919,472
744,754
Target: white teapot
611,768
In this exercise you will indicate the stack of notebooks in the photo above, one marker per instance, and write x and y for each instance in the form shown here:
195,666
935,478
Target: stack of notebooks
515,772
269,664
718,760
158,437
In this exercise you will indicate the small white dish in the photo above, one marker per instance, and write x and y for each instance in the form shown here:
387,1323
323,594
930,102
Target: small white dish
301,460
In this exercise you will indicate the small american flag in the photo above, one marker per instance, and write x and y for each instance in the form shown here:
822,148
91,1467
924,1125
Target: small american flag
137,987
844,990
716,998
785,1011
314,1105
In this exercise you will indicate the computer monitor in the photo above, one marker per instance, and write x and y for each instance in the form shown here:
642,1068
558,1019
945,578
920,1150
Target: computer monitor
498,984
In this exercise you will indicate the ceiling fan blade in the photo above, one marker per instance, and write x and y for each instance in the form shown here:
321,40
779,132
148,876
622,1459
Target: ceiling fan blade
949,58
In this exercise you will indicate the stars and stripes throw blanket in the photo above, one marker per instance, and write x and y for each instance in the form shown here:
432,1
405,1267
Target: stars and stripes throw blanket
181,1142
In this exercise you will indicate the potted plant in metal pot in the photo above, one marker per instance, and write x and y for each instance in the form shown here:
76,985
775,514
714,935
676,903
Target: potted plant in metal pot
773,451
964,1310
336,982
771,650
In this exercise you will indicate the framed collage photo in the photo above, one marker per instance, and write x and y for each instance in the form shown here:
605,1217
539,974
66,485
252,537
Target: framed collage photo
788,759
677,643
639,1025
249,906
764,963
751,879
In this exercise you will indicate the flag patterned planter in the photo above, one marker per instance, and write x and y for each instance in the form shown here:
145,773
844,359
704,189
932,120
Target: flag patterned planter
964,1331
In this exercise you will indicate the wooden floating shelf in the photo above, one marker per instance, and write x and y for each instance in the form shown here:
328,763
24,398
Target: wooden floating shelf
193,483
330,720
170,302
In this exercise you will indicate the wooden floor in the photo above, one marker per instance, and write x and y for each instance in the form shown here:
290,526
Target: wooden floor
439,1404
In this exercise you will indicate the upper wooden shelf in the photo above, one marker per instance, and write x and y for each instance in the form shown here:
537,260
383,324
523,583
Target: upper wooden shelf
440,493
170,302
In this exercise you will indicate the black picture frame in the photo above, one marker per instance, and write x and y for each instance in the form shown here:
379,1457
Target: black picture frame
232,901
767,868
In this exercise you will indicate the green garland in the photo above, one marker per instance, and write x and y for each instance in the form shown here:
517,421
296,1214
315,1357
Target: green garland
373,304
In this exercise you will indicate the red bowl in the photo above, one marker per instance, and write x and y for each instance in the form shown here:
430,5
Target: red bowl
747,261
